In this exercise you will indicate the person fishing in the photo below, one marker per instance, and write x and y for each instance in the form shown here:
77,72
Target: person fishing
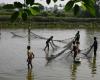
77,36
77,45
74,50
49,40
95,45
30,56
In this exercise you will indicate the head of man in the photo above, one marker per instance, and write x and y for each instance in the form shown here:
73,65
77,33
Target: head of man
94,38
51,37
78,32
28,47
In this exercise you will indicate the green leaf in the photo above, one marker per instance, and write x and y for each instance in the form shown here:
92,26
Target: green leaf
91,9
69,5
14,16
24,16
89,2
34,10
48,1
55,1
28,11
76,9
31,2
18,5
83,7
8,6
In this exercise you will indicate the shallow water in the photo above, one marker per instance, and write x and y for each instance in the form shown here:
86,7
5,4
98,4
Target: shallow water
13,65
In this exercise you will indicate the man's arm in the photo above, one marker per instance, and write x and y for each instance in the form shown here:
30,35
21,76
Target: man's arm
33,54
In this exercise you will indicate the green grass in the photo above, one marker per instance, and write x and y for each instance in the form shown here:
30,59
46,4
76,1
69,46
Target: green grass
49,25
39,22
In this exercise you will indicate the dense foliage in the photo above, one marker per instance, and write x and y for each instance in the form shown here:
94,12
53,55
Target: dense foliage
31,8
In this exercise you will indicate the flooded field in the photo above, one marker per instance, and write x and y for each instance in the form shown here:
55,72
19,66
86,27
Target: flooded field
13,56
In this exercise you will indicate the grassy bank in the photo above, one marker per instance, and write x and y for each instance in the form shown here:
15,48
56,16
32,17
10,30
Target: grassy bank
50,25
39,22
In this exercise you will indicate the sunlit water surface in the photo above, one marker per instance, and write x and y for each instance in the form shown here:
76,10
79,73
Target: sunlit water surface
13,65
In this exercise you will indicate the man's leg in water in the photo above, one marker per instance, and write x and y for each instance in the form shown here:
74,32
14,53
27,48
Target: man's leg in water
95,50
28,65
48,46
31,65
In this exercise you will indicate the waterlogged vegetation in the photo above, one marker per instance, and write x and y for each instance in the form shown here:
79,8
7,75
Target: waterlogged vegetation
51,25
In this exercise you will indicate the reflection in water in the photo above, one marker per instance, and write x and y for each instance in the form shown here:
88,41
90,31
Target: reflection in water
74,71
29,75
93,66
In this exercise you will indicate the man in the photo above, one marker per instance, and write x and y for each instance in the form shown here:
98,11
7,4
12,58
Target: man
74,50
30,56
77,36
95,45
48,41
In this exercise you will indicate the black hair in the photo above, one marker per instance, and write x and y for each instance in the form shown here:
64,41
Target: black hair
94,38
73,42
28,47
51,36
78,31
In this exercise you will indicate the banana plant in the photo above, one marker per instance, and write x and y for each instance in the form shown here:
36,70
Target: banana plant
24,10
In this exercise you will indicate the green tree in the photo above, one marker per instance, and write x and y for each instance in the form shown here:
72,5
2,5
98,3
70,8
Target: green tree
8,6
86,5
30,8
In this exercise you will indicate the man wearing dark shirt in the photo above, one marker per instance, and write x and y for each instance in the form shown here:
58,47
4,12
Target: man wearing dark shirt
48,41
77,36
95,45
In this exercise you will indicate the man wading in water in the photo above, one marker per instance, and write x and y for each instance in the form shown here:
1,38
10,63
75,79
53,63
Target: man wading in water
77,36
48,41
74,50
30,56
95,45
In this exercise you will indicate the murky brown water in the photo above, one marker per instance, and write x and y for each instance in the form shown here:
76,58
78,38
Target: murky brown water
13,65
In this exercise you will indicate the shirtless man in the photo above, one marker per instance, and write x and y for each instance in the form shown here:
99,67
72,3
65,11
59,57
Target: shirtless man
30,56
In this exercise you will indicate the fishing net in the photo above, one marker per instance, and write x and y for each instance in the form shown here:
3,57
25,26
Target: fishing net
87,51
35,36
41,37
18,34
62,51
65,40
